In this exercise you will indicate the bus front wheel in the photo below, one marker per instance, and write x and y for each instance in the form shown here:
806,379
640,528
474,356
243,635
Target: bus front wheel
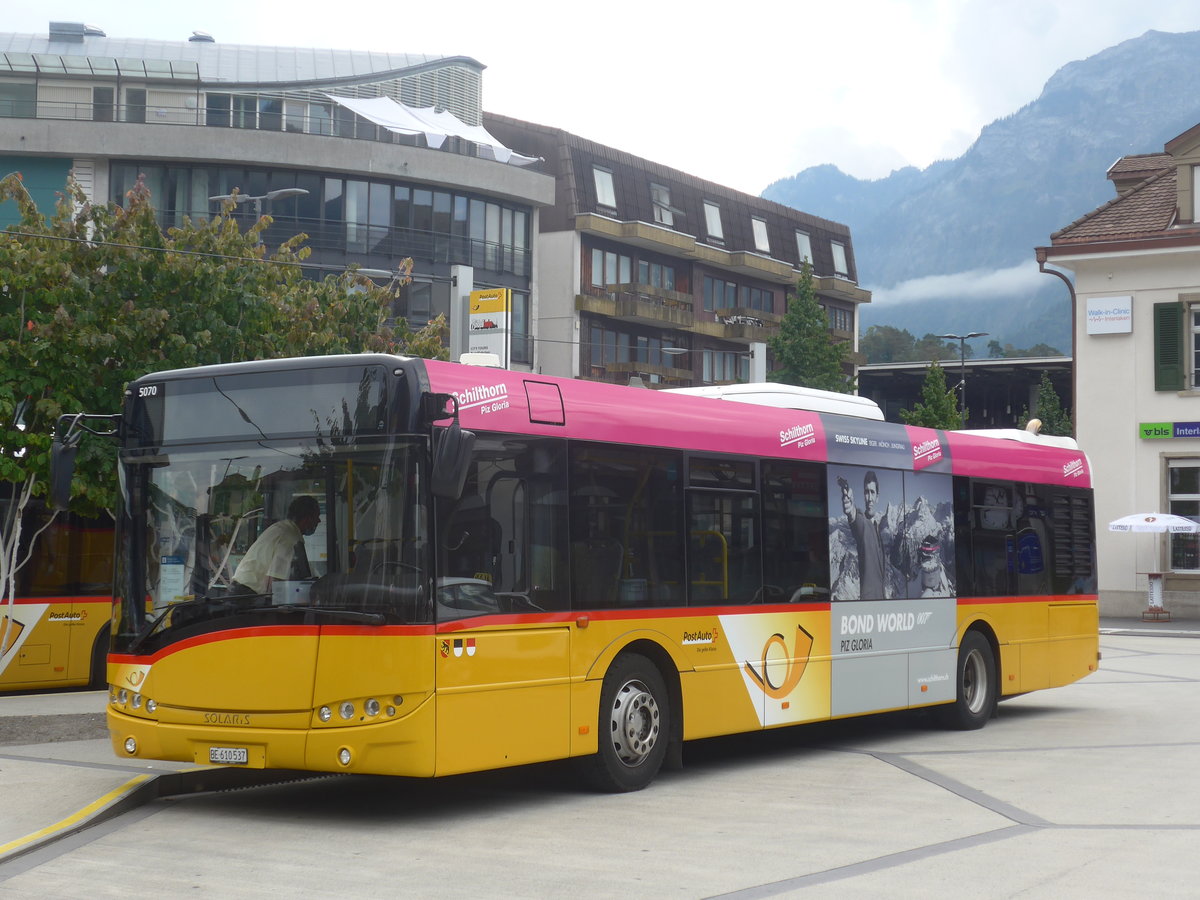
634,727
977,684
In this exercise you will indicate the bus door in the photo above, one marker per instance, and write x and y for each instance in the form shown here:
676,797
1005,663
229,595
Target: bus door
503,664
36,635
32,649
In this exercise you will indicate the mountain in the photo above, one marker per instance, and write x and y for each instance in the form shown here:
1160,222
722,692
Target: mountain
951,247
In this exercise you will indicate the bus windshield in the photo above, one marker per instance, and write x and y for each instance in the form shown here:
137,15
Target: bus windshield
268,530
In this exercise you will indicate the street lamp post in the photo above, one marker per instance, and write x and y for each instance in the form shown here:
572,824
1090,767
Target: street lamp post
280,194
257,201
962,367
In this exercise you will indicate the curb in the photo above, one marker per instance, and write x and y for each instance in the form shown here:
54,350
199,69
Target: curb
144,789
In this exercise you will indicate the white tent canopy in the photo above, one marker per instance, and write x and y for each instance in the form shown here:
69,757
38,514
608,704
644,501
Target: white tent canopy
436,125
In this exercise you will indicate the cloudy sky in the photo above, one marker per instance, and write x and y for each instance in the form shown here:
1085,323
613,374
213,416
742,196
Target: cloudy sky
741,95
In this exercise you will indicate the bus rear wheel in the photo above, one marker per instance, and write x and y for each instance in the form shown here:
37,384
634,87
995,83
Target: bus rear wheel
977,685
634,727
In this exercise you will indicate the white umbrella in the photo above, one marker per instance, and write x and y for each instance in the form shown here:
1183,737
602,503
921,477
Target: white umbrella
1156,522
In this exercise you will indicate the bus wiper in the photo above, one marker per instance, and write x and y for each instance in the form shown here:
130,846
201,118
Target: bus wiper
334,612
158,620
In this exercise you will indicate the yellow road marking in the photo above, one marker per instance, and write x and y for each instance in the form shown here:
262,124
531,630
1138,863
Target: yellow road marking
74,818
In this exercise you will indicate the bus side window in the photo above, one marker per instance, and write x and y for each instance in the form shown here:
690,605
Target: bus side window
626,517
795,533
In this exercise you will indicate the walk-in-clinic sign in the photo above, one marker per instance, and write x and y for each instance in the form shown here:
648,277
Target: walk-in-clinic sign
1110,315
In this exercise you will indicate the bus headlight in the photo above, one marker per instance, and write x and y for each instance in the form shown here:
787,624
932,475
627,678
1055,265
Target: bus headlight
346,710
137,701
371,707
344,756
130,746
151,707
324,713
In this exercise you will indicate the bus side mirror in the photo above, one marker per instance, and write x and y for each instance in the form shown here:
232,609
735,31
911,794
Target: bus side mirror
452,448
62,470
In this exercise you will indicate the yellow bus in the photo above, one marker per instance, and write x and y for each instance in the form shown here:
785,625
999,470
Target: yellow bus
379,564
54,628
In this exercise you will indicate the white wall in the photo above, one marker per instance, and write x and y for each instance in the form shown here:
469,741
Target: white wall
1114,393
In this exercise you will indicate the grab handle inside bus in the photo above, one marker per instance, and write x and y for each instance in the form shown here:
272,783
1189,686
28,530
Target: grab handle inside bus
452,446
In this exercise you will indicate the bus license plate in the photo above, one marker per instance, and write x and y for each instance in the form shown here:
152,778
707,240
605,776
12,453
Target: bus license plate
229,756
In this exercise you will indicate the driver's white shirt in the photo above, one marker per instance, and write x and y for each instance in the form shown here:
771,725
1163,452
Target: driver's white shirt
269,557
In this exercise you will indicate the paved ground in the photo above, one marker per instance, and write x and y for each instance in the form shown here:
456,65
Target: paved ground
1079,792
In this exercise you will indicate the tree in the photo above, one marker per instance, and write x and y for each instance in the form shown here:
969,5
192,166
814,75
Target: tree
932,347
1049,410
99,294
804,351
887,344
939,408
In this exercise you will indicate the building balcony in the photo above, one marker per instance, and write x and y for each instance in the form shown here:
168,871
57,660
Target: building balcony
840,288
741,326
641,304
686,247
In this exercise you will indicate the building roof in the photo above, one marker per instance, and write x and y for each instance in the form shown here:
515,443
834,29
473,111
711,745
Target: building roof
207,61
1146,210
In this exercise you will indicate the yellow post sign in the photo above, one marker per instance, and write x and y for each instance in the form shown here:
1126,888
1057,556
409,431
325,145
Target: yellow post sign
489,322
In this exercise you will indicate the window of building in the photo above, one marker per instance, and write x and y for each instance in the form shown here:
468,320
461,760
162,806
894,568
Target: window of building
520,340
804,246
712,221
660,197
244,111
217,110
135,104
719,293
270,113
606,194
724,365
839,259
756,298
609,268
1183,499
386,220
656,275
320,118
1196,193
1194,342
18,100
761,242
293,116
840,319
103,104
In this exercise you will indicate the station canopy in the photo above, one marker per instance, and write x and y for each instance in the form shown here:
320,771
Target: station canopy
435,124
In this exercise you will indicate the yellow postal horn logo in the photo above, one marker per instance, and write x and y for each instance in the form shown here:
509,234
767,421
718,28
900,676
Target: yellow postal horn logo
796,663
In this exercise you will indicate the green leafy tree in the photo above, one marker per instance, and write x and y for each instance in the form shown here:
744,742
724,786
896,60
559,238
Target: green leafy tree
98,295
938,407
805,354
932,347
887,344
1050,411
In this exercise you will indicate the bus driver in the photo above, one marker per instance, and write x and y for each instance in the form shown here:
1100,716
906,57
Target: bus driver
279,554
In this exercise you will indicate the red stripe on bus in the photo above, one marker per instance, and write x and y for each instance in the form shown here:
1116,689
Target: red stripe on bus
1039,598
90,598
234,634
